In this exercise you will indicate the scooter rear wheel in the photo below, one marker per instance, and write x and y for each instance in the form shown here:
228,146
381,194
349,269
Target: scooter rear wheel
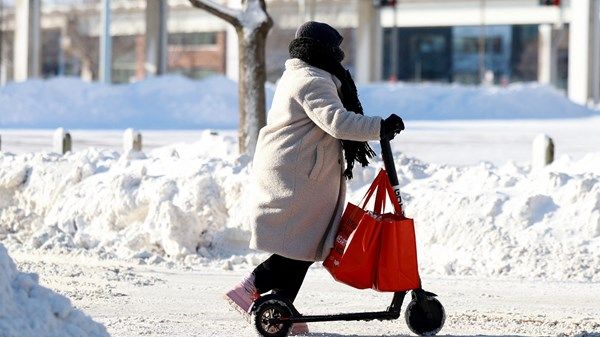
266,315
426,317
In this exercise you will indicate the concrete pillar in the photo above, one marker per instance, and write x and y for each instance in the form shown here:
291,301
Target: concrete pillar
140,57
105,71
369,36
231,53
61,141
3,64
3,54
2,67
3,73
542,152
306,11
61,51
132,140
27,39
583,45
595,52
156,37
547,55
232,65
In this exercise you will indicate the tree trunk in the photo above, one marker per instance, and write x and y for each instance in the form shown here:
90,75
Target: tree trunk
252,78
252,24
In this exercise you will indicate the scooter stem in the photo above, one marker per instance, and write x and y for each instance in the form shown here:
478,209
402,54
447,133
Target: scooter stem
390,167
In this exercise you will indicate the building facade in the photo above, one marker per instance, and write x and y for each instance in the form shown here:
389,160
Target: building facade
465,41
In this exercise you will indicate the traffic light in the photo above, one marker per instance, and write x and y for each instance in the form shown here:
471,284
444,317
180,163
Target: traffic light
384,3
549,2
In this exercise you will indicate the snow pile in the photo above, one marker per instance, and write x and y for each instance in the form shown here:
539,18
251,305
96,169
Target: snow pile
172,102
184,203
30,310
169,102
487,220
114,205
455,102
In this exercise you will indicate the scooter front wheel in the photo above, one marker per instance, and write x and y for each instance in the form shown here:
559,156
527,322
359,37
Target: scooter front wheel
425,317
267,318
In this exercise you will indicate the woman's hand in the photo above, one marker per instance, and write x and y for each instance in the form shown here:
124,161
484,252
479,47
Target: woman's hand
390,127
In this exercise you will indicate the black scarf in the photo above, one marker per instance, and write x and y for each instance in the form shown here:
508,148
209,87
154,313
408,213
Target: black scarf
328,58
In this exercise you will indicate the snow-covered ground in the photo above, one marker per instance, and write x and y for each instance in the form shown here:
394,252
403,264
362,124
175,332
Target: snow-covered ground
30,310
146,243
133,300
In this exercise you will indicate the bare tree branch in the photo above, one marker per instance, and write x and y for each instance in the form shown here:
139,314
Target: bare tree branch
228,14
252,23
263,5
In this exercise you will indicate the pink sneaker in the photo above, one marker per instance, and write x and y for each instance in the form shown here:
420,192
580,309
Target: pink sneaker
243,295
299,329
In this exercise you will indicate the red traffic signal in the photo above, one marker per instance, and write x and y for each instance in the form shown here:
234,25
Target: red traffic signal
549,2
384,3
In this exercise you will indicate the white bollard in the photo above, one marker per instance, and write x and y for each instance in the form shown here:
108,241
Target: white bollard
132,140
542,151
62,141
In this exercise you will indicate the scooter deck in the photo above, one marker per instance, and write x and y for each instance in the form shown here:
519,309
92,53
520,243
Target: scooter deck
393,312
362,316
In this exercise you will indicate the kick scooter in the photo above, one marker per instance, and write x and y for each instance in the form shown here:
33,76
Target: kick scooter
273,315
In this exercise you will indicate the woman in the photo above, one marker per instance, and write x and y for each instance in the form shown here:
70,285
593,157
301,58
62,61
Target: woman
298,166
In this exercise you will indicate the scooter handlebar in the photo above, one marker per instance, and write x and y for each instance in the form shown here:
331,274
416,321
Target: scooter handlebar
388,161
390,167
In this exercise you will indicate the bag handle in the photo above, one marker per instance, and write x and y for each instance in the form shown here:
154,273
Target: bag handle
382,186
374,187
386,189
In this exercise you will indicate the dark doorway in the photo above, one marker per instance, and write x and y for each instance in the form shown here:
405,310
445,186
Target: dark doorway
425,54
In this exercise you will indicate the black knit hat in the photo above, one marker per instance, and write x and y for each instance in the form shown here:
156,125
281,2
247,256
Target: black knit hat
321,32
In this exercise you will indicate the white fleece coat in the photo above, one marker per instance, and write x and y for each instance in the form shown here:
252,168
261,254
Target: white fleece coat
300,190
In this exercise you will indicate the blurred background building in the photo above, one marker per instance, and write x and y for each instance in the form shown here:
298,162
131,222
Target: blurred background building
554,42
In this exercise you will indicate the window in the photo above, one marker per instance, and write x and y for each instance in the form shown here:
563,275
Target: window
193,39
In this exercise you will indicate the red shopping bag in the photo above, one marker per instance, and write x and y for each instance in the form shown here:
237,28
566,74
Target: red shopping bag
374,249
397,268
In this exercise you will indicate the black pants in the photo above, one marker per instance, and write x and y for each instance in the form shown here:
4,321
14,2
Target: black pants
281,275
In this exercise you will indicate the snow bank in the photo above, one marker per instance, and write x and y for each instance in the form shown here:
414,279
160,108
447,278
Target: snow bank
168,204
168,102
455,102
184,203
30,310
172,102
